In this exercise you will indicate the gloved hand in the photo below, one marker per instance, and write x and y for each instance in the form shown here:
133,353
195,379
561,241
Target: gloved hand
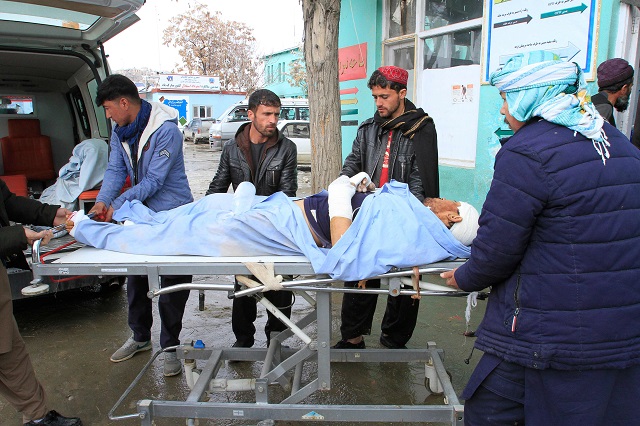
362,182
341,191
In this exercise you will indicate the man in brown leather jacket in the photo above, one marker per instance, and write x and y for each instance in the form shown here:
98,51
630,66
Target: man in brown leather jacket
18,382
259,154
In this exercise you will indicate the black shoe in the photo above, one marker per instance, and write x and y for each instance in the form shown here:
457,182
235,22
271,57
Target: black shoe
343,344
53,418
238,344
387,341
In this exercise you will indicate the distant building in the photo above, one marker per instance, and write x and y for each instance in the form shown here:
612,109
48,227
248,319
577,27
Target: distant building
277,72
194,96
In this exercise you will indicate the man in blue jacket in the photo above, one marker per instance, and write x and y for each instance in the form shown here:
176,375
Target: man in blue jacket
146,146
561,333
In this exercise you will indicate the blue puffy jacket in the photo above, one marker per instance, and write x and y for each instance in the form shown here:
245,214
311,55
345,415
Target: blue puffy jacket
162,181
558,242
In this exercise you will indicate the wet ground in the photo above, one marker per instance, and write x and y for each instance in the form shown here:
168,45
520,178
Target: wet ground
71,335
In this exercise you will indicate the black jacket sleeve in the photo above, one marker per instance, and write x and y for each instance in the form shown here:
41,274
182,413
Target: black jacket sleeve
289,177
21,210
222,178
425,146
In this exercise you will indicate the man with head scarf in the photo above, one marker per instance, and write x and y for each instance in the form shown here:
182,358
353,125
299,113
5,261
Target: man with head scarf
557,244
400,143
615,80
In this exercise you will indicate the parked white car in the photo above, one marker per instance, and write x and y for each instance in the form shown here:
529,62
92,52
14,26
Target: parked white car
299,132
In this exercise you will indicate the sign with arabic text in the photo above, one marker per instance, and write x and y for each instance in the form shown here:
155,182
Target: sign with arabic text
567,28
352,62
189,82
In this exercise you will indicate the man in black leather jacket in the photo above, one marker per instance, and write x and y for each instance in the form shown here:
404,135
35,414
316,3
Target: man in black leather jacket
259,154
400,143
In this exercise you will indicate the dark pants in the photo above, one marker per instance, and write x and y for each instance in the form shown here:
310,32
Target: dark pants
502,393
398,322
171,307
245,312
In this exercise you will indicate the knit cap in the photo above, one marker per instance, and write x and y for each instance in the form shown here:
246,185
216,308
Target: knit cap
613,71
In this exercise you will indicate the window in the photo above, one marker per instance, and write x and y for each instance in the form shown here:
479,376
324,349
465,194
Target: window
16,104
403,17
441,13
81,110
202,111
452,49
101,118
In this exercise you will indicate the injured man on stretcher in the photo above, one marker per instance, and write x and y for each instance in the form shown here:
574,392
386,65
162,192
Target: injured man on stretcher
348,232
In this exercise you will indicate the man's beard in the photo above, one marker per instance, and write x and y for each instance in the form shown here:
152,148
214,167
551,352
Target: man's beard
622,103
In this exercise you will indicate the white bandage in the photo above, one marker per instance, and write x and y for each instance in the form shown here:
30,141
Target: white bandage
341,191
362,182
76,218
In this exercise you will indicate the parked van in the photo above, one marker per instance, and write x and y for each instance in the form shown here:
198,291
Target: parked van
51,62
230,121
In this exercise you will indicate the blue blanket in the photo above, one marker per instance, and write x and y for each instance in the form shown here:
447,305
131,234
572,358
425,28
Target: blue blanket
391,229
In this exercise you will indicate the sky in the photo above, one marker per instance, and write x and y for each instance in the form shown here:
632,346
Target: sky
277,25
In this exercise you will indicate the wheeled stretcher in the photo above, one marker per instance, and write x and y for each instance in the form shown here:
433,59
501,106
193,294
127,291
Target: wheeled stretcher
282,366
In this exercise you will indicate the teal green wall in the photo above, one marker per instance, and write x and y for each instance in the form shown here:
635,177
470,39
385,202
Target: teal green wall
360,22
456,183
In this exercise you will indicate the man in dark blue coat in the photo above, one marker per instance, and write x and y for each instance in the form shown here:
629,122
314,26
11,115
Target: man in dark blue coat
558,241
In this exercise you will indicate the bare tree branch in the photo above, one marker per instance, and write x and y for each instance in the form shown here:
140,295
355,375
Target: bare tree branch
209,45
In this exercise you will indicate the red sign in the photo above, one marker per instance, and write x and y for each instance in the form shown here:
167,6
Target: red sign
352,62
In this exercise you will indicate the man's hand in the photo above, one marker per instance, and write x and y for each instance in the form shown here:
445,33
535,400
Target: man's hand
451,278
61,216
33,236
102,213
362,182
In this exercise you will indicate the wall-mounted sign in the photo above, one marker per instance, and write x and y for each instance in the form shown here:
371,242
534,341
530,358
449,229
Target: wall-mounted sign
352,62
565,27
189,82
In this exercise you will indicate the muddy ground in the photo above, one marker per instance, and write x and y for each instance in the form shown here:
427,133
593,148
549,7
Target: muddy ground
72,334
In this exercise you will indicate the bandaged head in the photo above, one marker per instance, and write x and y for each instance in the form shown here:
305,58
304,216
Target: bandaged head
467,229
539,84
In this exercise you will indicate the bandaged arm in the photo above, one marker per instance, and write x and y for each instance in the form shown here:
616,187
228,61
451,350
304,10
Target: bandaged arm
341,191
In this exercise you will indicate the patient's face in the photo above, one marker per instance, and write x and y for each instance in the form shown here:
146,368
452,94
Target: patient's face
446,210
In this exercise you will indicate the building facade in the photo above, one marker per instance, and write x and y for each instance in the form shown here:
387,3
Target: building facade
280,69
450,47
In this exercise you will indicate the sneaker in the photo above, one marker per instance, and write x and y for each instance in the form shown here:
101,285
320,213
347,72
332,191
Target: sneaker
344,344
53,418
172,365
129,349
387,341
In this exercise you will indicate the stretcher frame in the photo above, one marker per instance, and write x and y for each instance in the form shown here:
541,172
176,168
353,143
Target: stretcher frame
282,366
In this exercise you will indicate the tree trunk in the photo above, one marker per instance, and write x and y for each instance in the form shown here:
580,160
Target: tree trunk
321,21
